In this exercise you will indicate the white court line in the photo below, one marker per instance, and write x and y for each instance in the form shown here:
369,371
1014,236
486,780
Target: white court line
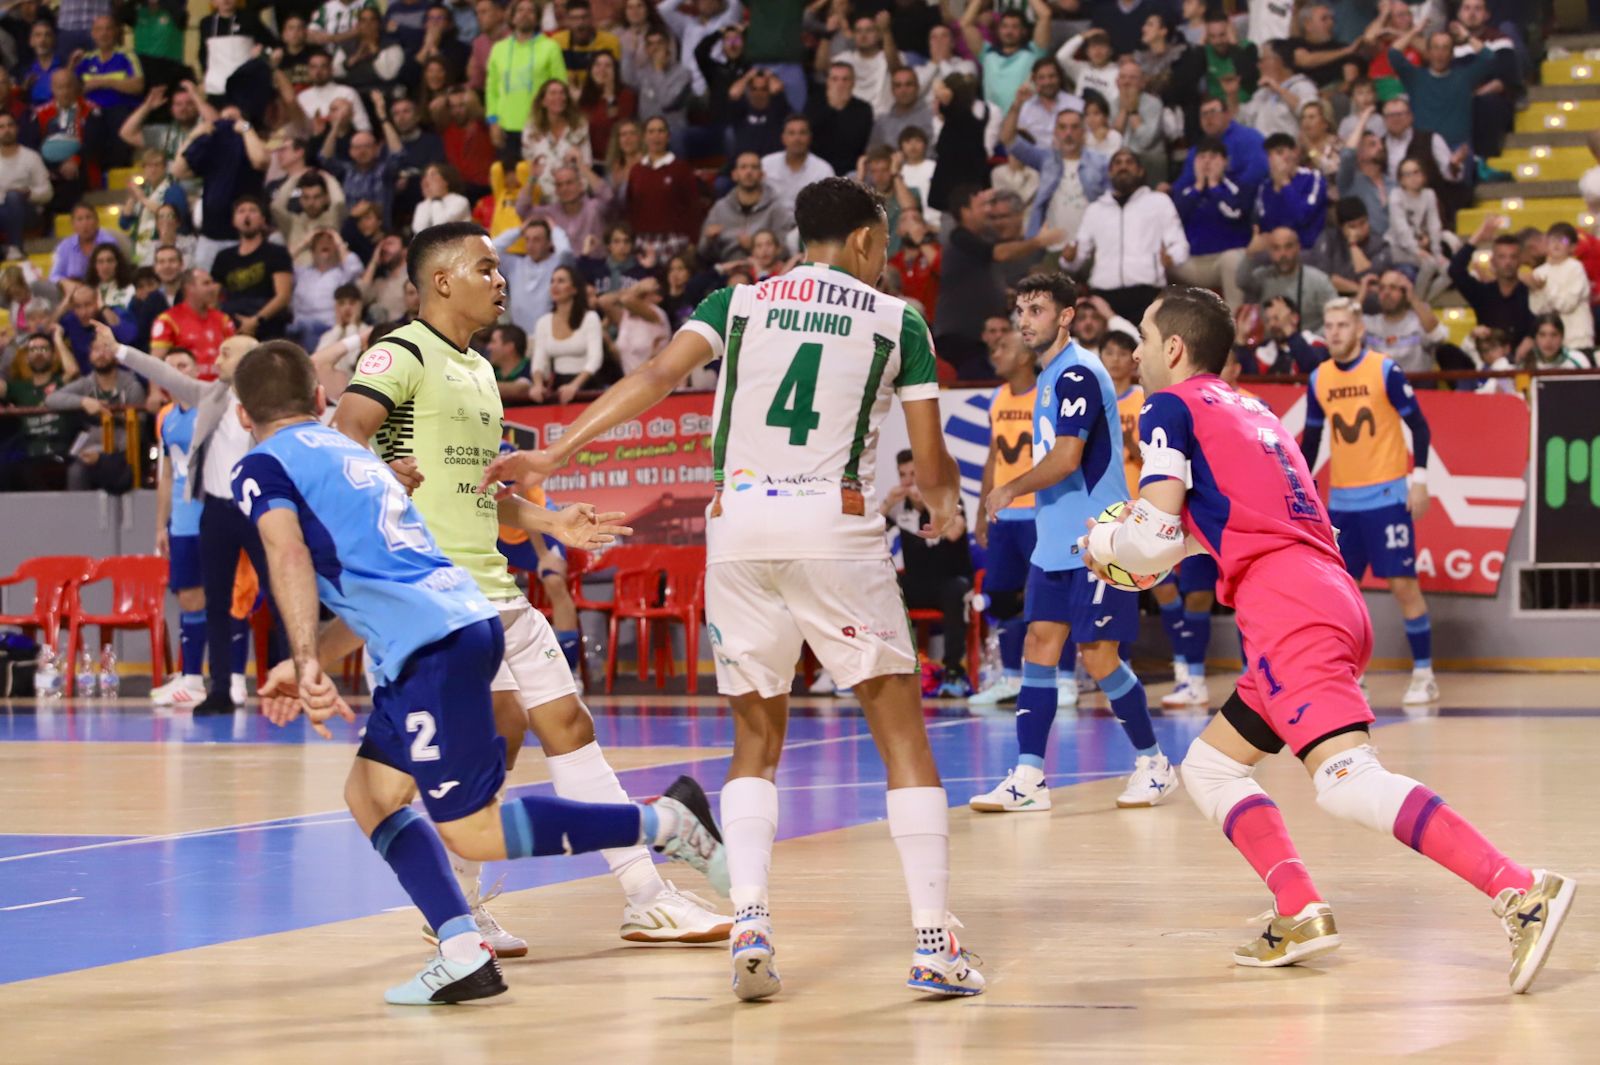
46,902
340,817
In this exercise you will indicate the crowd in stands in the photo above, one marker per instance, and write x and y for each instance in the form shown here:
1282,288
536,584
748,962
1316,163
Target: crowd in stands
650,151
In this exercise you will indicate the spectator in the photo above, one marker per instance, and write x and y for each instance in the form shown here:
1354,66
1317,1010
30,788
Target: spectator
708,20
1098,136
317,99
373,60
24,184
169,289
370,172
1415,230
257,276
757,114
910,23
577,211
937,574
1293,196
417,148
507,352
112,78
773,42
604,101
1129,237
1247,153
943,63
112,280
138,132
147,191
794,168
907,109
1137,117
918,263
1549,350
1438,89
35,459
228,39
1494,100
71,259
194,324
642,327
348,308
1160,49
723,64
568,343
1070,178
1094,73
556,134
1319,148
70,136
1402,325
442,200
227,154
751,206
1286,275
1350,253
1006,211
322,206
425,31
519,65
1560,285
333,23
1221,69
47,59
961,155
333,266
1364,175
871,57
612,266
1007,63
1123,22
841,123
664,85
1317,54
1281,92
1403,139
1042,99
663,202
969,286
997,329
625,153
168,224
1215,222
917,170
1015,176
528,275
82,303
1501,302
294,58
1286,348
492,29
104,385
385,286
468,143
1363,110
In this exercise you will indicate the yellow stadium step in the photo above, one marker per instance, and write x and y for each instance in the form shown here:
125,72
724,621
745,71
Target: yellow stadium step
109,214
42,261
1541,213
1545,163
1559,114
117,178
1571,70
1459,322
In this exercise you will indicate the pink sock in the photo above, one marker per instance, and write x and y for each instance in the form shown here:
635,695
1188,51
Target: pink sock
1430,827
1255,826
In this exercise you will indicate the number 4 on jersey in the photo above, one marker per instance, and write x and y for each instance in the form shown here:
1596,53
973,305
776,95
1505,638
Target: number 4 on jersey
792,408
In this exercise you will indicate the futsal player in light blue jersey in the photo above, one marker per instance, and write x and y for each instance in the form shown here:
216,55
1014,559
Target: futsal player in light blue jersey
337,525
1077,472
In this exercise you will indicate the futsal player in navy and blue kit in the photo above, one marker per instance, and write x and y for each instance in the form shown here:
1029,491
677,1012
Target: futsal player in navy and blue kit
1077,473
337,525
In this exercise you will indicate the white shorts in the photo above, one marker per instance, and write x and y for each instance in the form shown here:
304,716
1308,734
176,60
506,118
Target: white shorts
533,666
850,611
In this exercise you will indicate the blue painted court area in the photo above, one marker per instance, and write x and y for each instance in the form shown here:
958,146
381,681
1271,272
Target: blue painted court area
76,902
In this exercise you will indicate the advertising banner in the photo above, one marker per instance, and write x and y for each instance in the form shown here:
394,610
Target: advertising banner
1566,480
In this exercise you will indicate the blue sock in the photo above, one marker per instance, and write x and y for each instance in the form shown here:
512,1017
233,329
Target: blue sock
1012,632
192,641
1419,634
1127,702
409,844
1036,712
241,645
1069,659
1172,624
1197,631
571,641
538,826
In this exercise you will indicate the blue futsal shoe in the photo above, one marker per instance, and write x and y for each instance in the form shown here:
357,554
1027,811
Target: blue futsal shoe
443,981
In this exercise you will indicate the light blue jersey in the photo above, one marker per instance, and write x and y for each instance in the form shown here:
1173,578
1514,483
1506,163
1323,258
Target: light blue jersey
1075,397
377,565
176,430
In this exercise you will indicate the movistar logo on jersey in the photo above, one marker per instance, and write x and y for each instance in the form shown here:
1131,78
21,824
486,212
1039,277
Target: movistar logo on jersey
1350,432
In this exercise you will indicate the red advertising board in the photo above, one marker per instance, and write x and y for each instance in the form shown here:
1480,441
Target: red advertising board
1477,471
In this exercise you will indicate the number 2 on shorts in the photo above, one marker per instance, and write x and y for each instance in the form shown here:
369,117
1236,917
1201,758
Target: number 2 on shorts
423,748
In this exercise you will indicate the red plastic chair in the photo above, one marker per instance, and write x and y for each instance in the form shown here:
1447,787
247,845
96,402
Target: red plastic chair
54,577
669,587
138,601
921,620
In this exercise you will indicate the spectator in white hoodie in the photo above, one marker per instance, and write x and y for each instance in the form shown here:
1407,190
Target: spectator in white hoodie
1128,240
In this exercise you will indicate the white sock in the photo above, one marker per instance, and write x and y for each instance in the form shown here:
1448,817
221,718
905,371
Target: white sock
919,821
469,875
463,948
749,825
585,776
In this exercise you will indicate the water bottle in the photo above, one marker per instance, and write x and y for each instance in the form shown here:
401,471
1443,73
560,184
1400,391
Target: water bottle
109,680
989,669
46,674
84,678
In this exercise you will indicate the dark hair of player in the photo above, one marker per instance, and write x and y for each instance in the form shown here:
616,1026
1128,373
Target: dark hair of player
829,210
275,381
1199,316
1121,340
1062,290
433,240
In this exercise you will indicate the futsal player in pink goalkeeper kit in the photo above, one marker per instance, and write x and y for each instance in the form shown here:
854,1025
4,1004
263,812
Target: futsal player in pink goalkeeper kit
1222,475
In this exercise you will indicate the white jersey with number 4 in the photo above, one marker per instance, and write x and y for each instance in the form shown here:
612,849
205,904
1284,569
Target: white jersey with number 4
809,363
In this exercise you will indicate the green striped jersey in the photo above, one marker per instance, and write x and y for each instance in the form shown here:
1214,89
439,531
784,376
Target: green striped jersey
810,361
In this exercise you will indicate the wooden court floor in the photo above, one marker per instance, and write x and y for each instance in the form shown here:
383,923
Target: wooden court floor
1105,934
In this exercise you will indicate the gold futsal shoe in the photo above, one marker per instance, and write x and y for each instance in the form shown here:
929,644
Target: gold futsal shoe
1289,940
1532,919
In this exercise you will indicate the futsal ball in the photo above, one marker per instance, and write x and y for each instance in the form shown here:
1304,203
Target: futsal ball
1120,577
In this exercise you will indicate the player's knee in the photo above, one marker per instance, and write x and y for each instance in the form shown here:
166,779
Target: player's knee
1099,658
1355,786
1043,643
562,726
191,599
1003,606
1216,782
1199,601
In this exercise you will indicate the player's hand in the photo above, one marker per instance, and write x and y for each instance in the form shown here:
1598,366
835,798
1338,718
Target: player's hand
163,544
406,472
296,687
939,523
999,499
104,339
522,469
586,529
1417,500
1096,567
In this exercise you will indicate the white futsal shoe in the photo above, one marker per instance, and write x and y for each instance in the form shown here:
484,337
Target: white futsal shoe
675,917
1422,690
751,951
184,689
1067,690
236,689
948,971
1192,694
1153,781
1022,791
1004,690
503,943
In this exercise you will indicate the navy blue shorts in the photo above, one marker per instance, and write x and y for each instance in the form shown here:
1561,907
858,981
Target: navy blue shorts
1197,573
183,562
1095,610
524,557
435,721
1383,538
1006,566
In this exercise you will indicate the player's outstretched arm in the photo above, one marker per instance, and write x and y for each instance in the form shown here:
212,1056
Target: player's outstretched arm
578,525
300,683
938,476
628,398
1060,463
